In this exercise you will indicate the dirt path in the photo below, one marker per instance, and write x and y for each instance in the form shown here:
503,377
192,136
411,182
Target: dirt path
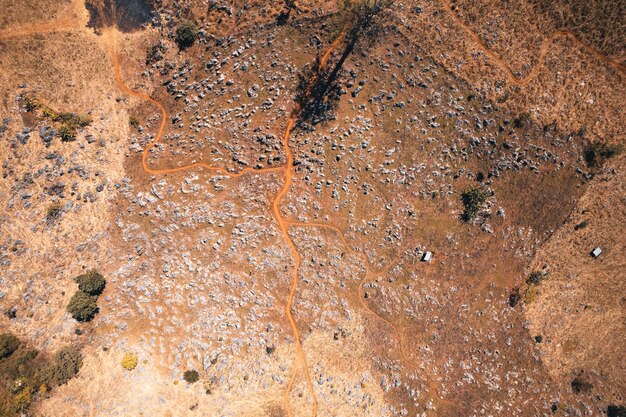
300,360
545,47
43,27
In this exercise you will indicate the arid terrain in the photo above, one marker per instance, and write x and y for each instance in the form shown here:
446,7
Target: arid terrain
312,208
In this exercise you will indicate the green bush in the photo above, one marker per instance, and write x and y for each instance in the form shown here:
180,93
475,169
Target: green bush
66,133
8,345
92,282
64,366
82,306
514,297
581,385
134,122
186,34
191,376
473,200
535,278
53,212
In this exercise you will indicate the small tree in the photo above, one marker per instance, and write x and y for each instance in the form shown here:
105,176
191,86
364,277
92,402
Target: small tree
191,376
92,282
82,306
8,345
186,34
473,200
64,366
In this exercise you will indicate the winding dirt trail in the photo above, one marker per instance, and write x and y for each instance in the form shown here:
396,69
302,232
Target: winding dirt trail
300,360
543,51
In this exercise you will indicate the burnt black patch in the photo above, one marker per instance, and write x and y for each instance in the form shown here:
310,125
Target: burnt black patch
126,15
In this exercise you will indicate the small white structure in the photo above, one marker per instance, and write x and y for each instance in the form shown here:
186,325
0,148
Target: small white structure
427,256
596,252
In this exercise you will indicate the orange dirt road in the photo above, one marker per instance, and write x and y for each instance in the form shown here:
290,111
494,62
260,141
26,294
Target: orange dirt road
545,46
300,360
44,27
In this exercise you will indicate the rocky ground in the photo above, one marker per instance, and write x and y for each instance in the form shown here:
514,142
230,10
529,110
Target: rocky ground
198,270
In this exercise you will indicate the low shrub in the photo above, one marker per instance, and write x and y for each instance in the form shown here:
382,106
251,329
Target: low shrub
134,122
581,385
473,200
130,361
8,344
191,376
91,282
53,212
535,278
514,297
581,225
186,34
82,306
63,366
67,124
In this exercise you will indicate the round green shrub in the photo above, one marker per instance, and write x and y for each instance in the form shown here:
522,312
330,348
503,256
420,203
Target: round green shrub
8,345
191,376
91,282
82,306
186,34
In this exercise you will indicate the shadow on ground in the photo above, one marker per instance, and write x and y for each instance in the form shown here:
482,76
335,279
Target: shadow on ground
126,15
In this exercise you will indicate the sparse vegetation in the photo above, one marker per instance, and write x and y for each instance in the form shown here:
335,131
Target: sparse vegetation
53,212
82,306
91,282
597,153
186,34
191,376
67,124
581,385
581,225
521,120
514,297
133,122
535,278
154,53
8,344
473,201
129,361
